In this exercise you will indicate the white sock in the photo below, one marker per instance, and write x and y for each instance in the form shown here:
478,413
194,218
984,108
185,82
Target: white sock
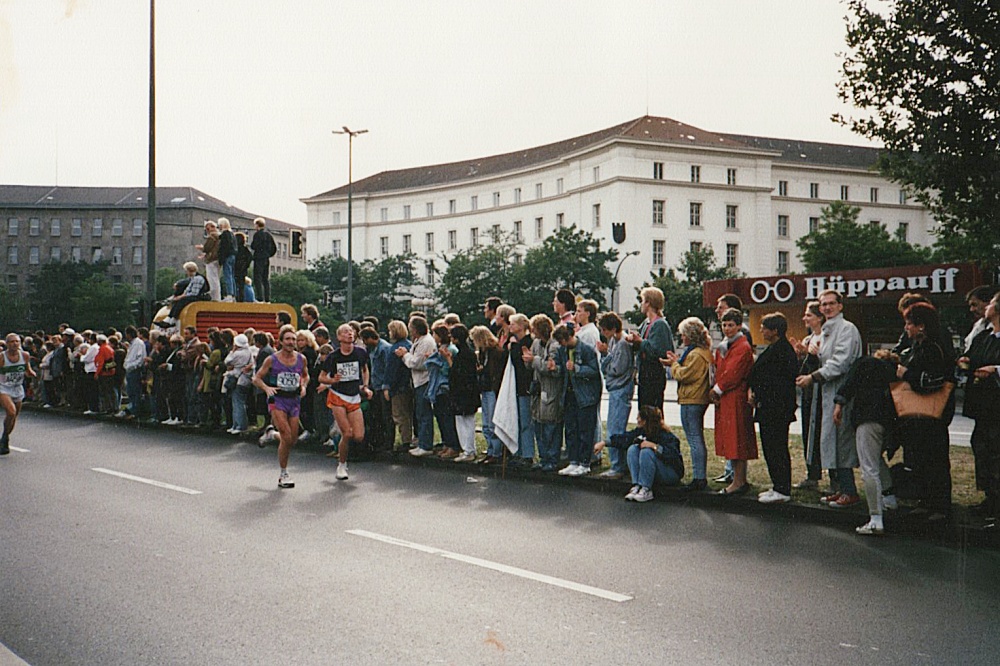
876,521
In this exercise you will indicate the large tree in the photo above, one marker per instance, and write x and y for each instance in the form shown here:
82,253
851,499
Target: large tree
924,76
842,244
682,287
50,295
98,303
385,288
474,274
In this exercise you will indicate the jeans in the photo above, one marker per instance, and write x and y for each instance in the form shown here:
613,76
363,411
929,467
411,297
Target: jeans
579,423
133,386
525,429
239,397
646,468
693,422
774,441
548,436
228,278
874,471
844,478
424,416
494,447
619,409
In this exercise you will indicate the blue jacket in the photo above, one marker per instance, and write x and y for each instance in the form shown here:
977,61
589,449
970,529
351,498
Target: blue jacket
668,447
439,370
397,375
586,376
380,362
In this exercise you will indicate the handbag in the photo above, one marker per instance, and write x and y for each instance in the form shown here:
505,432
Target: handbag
912,405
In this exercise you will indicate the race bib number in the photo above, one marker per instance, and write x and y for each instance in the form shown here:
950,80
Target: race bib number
349,372
14,378
288,381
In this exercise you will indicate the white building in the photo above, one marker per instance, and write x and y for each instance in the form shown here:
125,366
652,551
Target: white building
673,185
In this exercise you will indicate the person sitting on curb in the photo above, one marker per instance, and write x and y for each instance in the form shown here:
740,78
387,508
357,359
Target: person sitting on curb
654,454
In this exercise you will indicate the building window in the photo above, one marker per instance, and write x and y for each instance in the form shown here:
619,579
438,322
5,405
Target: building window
658,211
34,227
782,226
335,249
474,237
406,212
116,227
730,176
597,174
452,239
76,227
407,243
429,273
813,225
782,262
695,173
98,230
658,170
782,188
137,226
496,199
383,214
13,226
518,236
429,241
34,256
383,246
137,257
559,185
731,256
694,210
903,231
55,254
12,255
538,190
474,202
452,206
96,254
873,195
517,195
731,211
76,254
695,246
55,227
137,282
495,233
814,190
430,209
844,191
559,220
875,224
116,255
597,215
539,229
902,197
658,248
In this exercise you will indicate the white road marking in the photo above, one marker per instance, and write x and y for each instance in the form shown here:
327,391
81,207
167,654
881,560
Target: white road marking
151,482
19,449
496,566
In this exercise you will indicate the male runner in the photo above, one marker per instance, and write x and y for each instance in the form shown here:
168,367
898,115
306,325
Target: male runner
345,371
283,378
13,370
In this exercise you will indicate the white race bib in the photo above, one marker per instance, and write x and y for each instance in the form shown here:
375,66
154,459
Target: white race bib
349,372
288,381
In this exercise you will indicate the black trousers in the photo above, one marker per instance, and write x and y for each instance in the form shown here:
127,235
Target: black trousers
774,442
262,280
652,383
986,449
925,443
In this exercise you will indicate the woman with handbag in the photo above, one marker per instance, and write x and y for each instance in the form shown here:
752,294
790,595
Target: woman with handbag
926,366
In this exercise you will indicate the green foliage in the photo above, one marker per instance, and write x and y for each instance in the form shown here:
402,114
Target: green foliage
475,274
98,303
295,288
51,291
841,243
385,288
165,279
924,76
14,311
682,287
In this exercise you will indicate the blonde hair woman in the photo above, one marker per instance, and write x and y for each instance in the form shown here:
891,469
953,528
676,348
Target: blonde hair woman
691,371
489,370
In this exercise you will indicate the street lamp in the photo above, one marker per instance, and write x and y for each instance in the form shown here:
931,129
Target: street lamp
614,288
350,191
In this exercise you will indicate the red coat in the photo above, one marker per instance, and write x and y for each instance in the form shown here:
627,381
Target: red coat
735,438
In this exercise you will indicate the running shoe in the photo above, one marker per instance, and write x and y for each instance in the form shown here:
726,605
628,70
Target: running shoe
341,472
465,457
644,495
285,481
304,435
269,434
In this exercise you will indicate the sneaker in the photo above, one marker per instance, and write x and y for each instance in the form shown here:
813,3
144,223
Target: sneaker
644,495
448,454
773,497
632,492
578,470
465,457
341,472
569,470
303,436
844,501
270,434
121,414
889,502
285,481
723,478
420,453
89,412
610,474
47,406
870,529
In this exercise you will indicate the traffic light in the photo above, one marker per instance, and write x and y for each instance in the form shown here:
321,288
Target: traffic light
296,243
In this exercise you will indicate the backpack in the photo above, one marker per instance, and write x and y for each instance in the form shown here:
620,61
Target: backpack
204,291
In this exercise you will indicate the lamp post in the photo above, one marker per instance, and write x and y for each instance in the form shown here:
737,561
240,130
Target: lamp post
614,289
150,296
350,191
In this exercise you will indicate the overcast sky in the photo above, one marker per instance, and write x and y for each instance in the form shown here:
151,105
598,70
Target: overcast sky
248,91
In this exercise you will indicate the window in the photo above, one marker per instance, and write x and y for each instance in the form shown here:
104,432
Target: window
538,190
695,246
474,237
873,194
814,190
658,170
336,217
559,220
597,174
76,253
96,254
406,212
518,236
539,229
137,226
517,195
55,254
695,173
98,230
903,231
782,226
383,214
518,260
782,262
658,248
12,255
452,240
496,199
13,226
117,228
34,256
658,211
55,227
452,206
875,224
782,188
559,185
383,246
335,249
137,258
495,233
12,281
137,282
730,176
731,211
76,228
694,210
813,225
429,273
844,191
429,241
116,255
902,197
407,243
731,258
34,226
597,215
474,202
430,209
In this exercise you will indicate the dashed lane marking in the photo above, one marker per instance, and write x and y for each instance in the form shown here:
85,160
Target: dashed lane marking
151,482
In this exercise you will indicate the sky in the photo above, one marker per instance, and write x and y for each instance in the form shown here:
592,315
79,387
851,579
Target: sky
249,91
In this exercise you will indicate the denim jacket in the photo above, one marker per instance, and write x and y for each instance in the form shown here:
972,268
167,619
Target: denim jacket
439,370
586,376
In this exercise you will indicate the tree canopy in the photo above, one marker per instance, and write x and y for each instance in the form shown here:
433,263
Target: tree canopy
924,76
682,286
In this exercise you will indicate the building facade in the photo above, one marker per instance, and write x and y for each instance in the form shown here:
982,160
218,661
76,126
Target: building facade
673,186
41,224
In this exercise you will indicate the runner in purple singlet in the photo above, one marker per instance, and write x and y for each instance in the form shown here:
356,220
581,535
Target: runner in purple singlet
283,377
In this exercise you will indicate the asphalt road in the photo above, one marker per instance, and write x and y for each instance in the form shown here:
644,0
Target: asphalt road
100,569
